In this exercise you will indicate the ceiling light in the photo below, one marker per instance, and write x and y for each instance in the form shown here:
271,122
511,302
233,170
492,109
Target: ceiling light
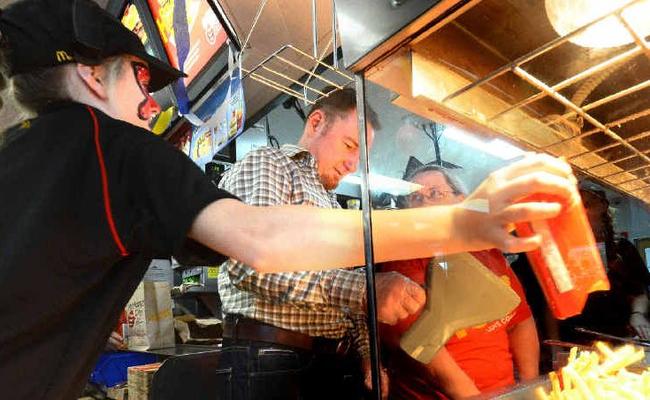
495,147
568,15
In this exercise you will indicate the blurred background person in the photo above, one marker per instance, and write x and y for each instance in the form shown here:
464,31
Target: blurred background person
623,310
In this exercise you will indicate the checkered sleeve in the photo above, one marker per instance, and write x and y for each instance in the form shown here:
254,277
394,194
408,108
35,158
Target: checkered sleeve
260,179
360,334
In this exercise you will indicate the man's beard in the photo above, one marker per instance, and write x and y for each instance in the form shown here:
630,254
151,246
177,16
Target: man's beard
330,182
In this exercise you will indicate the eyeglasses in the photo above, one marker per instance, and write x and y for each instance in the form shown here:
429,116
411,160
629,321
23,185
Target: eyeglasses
431,193
142,76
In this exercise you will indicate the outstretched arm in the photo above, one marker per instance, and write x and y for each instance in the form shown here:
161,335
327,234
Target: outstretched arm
298,238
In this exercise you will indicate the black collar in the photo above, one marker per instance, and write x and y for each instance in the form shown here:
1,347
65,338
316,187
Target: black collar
59,105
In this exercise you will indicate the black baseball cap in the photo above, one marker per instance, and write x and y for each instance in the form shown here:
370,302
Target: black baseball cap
47,33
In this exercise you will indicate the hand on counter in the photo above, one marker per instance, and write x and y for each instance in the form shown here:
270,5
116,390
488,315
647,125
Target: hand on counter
639,316
486,217
115,342
397,297
641,325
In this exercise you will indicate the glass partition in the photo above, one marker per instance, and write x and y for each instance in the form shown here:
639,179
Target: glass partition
566,79
472,95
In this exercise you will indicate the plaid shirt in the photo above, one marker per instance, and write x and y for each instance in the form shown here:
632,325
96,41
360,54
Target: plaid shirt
328,304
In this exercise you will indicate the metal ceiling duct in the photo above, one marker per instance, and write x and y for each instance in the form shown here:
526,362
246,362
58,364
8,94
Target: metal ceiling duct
501,69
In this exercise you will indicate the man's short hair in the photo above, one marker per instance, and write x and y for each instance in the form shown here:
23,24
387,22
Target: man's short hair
338,102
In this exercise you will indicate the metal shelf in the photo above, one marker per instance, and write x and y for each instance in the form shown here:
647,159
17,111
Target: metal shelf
294,72
275,71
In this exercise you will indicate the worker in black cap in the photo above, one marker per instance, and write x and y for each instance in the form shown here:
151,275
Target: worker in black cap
88,197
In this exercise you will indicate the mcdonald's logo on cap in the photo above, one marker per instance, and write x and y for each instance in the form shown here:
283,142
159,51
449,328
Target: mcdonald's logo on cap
62,56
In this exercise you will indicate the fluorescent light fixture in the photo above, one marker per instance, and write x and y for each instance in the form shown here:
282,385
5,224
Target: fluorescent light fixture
568,15
505,150
495,147
385,184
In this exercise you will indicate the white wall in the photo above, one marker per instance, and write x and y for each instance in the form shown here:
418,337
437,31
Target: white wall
631,216
284,124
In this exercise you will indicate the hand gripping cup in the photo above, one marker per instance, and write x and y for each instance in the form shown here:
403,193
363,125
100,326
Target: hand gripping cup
567,264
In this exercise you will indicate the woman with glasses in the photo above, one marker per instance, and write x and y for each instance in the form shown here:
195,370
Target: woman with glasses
475,360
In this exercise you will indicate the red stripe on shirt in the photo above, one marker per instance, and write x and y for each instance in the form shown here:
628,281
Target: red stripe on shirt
106,192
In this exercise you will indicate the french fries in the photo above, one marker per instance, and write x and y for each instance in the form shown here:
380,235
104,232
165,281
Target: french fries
601,374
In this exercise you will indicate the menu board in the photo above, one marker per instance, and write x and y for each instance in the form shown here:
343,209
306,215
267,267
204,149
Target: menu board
205,34
223,114
131,19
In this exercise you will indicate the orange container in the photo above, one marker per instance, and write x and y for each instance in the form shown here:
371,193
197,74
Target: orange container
567,264
122,324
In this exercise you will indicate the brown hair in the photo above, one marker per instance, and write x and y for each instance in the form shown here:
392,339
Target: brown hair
338,102
34,91
452,179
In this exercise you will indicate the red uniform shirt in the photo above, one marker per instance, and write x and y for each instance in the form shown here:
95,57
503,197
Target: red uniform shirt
483,352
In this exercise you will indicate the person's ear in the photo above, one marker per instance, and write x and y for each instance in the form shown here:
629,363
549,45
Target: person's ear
316,122
93,78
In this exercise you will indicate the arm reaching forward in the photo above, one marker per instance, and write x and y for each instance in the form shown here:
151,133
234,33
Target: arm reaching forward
298,238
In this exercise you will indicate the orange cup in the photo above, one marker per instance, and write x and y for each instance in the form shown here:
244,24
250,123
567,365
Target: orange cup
567,264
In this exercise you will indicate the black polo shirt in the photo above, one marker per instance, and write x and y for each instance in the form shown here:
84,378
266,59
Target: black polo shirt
86,201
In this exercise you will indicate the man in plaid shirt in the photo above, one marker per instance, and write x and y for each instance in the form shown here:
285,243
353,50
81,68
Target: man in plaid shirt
327,306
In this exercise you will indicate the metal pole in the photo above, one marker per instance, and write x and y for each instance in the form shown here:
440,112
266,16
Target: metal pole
335,46
314,28
267,130
260,8
367,237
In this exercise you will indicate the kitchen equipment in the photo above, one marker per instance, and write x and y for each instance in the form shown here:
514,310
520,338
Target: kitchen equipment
524,391
560,351
605,336
499,69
